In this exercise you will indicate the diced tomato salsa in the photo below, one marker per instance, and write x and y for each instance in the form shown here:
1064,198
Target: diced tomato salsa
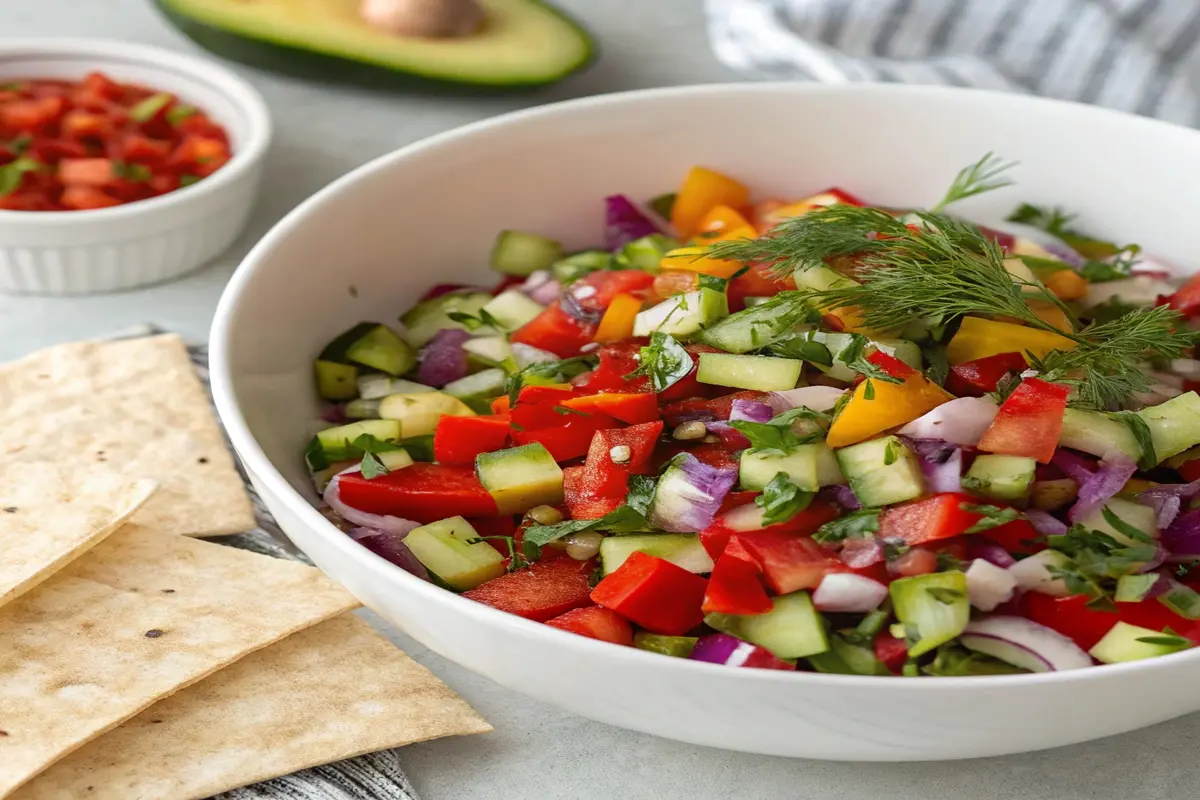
98,143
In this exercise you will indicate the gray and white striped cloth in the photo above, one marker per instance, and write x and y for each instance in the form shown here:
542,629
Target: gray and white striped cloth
1135,55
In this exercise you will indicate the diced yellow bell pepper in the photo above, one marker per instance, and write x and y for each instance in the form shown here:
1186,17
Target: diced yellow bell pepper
722,218
892,404
617,322
1067,284
980,338
693,259
1050,313
702,190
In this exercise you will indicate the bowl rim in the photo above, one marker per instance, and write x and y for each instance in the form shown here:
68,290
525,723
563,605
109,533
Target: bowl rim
236,89
273,481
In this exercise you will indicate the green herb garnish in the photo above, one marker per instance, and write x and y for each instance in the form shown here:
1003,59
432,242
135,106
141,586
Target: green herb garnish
148,108
664,361
982,176
992,516
472,322
12,173
781,500
781,432
855,525
372,467
517,558
179,112
131,172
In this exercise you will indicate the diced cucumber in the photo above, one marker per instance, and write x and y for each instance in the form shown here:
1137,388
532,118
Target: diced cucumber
836,343
520,478
1033,574
1123,643
444,548
933,608
425,319
362,409
829,472
764,373
1182,599
791,629
757,468
483,385
393,460
1144,518
512,309
336,442
819,278
1098,434
677,646
681,549
336,381
674,498
683,314
647,252
517,253
381,348
1174,425
882,471
844,658
375,386
495,351
418,414
750,329
1001,477
527,355
1134,588
573,267
419,447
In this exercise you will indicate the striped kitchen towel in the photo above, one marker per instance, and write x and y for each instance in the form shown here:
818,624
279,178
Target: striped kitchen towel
1135,55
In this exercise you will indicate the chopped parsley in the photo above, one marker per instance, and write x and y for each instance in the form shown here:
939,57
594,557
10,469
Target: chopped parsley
626,519
472,322
664,361
992,516
855,525
781,500
147,109
517,558
780,433
12,173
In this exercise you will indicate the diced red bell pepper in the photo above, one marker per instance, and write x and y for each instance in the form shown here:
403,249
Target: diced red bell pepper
688,385
569,440
1071,617
736,498
616,361
930,519
143,149
496,526
535,407
630,408
1190,470
52,151
788,562
581,501
716,537
556,331
608,284
421,492
29,115
86,171
715,408
891,365
1017,536
1029,422
1186,299
606,477
756,282
977,378
595,622
85,198
458,440
653,593
734,587
540,592
890,651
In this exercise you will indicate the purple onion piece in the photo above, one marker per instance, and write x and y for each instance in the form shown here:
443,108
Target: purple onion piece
750,411
1100,486
570,303
1182,537
818,398
989,551
1024,643
961,421
624,222
1064,253
547,293
1045,523
688,498
1075,467
941,464
1160,556
730,437
335,414
844,497
389,524
444,359
390,546
860,553
729,651
1166,507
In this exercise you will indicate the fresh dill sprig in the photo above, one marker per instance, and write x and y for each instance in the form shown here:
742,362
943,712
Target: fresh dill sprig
982,176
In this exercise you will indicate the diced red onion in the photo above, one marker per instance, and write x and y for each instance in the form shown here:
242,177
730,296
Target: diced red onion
547,293
1064,253
989,585
1160,556
731,438
690,501
1182,537
570,302
1045,523
962,421
750,411
721,648
1024,643
386,523
847,592
861,552
1102,485
990,552
818,398
536,279
844,496
746,517
624,222
390,546
444,359
336,414
1166,506
941,463
1073,465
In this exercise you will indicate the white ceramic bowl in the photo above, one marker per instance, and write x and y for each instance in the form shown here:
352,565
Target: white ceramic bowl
367,246
150,241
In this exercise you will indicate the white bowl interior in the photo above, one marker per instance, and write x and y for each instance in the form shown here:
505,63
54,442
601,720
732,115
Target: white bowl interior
372,243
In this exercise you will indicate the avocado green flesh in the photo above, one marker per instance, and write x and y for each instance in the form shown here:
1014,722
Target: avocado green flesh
523,42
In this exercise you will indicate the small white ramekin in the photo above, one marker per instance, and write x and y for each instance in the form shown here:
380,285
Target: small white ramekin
150,241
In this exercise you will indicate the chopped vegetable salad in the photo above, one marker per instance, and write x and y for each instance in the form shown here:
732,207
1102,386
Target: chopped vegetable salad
797,434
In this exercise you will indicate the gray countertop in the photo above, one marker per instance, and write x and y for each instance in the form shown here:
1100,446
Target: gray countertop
538,752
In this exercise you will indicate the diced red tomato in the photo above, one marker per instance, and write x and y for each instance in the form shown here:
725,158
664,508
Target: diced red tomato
716,408
756,282
596,291
143,149
630,408
86,171
606,477
80,124
1071,617
787,561
1186,299
541,592
734,587
890,651
556,331
977,378
1017,536
581,501
84,198
595,622
458,440
917,561
29,115
616,361
715,538
929,519
1029,422
421,492
654,594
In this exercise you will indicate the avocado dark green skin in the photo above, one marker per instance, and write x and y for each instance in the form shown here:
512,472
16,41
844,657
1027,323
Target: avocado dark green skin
324,68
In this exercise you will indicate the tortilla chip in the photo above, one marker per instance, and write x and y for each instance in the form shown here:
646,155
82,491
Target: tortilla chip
334,691
51,514
134,406
141,616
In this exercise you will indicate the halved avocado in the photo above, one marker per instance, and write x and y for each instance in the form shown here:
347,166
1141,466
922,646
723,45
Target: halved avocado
523,43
